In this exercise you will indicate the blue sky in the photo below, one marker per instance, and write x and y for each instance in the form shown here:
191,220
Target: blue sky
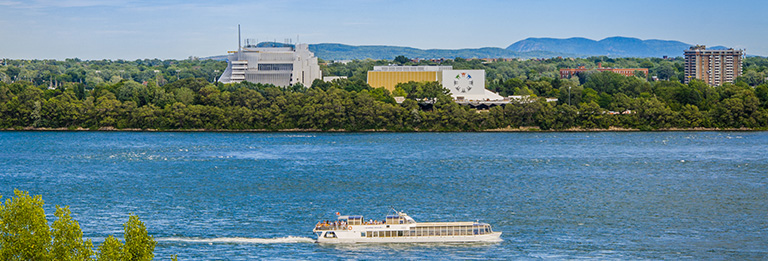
128,29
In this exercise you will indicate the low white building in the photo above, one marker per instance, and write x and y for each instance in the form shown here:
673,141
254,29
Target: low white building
467,85
332,78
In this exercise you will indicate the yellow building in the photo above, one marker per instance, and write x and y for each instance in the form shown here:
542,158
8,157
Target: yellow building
389,76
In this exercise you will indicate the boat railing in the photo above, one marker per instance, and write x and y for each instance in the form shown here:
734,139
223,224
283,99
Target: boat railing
344,226
323,226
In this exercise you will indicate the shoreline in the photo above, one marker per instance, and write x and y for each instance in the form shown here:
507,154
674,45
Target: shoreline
507,129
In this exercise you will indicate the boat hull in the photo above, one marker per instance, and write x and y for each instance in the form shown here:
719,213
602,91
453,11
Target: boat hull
346,237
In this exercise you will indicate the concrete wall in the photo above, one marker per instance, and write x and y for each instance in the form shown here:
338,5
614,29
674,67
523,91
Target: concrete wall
464,83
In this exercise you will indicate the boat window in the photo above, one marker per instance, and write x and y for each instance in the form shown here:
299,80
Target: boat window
355,220
362,234
330,235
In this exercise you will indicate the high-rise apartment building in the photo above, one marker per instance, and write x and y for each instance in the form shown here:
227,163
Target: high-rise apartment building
714,67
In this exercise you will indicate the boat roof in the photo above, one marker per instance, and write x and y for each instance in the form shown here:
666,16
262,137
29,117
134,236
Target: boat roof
439,224
351,217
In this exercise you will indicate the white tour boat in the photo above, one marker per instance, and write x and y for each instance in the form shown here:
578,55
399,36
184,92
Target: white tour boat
400,228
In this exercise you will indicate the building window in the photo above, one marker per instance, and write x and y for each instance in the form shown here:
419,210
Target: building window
275,67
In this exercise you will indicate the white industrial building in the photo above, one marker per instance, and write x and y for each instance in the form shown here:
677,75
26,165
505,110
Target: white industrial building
280,66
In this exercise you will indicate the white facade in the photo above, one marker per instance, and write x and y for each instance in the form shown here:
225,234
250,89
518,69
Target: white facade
332,78
467,85
280,66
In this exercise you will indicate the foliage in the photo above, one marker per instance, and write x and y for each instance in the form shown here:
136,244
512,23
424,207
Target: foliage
139,246
24,231
111,249
68,243
25,235
173,98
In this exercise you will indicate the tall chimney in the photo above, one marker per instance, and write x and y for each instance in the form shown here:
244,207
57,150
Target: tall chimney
239,48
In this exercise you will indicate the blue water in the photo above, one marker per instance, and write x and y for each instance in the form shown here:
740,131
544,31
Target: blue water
242,196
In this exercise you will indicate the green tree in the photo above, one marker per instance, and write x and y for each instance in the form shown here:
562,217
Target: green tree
589,95
761,91
107,110
139,245
666,71
401,59
184,95
68,243
111,249
13,72
25,235
24,231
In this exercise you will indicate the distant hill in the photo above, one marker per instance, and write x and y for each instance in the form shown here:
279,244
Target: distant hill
528,48
611,46
335,51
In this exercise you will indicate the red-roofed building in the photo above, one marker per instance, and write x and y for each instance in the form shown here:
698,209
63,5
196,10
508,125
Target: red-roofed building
568,73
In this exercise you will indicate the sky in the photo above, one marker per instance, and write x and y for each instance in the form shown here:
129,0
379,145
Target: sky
139,29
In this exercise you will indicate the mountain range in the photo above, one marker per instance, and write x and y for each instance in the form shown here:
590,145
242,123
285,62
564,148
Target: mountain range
611,46
334,51
527,48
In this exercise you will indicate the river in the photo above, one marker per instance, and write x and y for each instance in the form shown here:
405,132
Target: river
244,196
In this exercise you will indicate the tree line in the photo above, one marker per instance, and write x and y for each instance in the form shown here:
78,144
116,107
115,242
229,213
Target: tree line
592,100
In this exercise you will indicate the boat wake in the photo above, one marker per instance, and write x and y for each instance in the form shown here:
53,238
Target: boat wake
237,240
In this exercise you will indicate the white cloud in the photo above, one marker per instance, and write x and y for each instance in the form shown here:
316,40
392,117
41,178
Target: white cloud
41,4
9,3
